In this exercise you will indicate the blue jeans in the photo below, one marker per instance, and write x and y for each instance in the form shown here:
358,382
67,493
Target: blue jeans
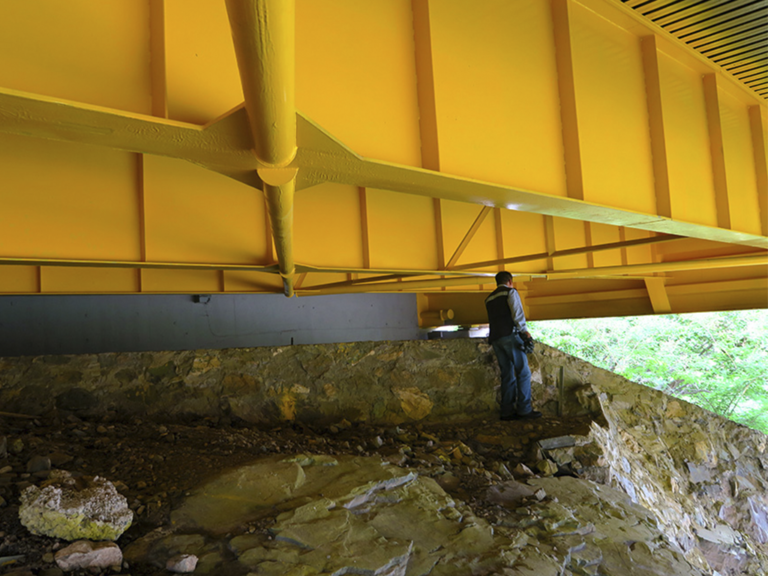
515,376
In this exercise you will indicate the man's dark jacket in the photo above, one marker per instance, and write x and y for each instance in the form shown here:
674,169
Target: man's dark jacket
499,314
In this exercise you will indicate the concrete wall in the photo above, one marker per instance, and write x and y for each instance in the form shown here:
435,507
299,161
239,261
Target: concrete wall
36,325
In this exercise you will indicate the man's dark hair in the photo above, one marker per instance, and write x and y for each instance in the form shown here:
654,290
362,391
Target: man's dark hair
503,278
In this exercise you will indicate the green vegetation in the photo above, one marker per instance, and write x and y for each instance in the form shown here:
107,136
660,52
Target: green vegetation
718,360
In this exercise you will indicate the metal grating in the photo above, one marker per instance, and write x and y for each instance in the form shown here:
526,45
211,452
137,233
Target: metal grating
731,33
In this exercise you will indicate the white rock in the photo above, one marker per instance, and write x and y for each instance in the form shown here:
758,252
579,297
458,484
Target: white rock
182,563
522,471
74,509
87,554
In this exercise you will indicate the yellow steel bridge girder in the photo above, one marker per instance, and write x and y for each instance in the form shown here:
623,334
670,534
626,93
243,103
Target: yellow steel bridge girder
563,139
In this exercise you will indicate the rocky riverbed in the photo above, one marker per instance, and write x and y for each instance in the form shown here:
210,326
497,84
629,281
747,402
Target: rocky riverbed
621,483
491,474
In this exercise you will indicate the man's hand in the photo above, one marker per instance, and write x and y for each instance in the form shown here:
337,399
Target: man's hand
527,342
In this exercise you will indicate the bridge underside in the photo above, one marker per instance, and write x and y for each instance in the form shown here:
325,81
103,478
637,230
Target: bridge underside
339,146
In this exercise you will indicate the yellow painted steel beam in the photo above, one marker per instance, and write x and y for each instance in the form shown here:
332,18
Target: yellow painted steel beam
717,148
60,262
561,20
468,236
570,252
657,292
158,58
758,123
434,127
405,286
635,269
587,297
751,284
425,85
263,33
221,143
380,274
321,158
364,229
653,87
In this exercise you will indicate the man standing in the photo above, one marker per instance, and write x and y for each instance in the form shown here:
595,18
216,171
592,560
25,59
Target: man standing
508,333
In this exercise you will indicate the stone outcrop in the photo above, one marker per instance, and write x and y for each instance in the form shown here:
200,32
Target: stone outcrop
702,476
377,382
360,515
75,508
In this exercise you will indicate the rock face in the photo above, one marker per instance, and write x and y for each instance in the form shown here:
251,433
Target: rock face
703,477
360,515
74,509
377,382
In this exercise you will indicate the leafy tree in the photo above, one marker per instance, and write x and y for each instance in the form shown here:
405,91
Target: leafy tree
717,360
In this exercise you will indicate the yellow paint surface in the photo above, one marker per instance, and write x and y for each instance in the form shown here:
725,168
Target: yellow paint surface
252,282
78,50
612,114
102,280
692,187
569,234
458,218
355,75
202,76
18,279
739,165
637,254
181,281
523,235
402,231
602,234
194,215
80,203
340,226
79,181
495,68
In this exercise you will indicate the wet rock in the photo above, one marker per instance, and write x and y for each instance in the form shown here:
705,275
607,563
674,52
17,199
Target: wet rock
558,442
74,508
76,399
90,555
546,467
6,561
415,403
522,471
504,471
509,493
38,463
596,527
59,459
182,563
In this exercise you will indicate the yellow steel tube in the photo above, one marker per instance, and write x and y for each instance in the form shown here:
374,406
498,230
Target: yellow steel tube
264,38
263,34
407,286
279,188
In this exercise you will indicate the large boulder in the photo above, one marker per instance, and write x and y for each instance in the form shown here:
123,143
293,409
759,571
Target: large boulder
85,508
360,515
